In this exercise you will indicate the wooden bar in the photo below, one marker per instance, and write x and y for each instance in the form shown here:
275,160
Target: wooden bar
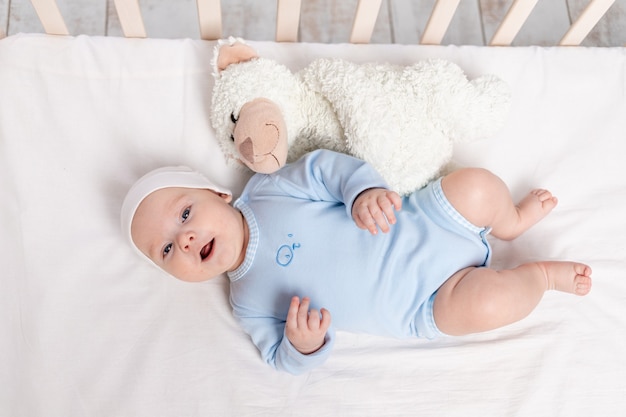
210,19
585,22
50,17
439,21
512,22
287,20
4,18
501,22
130,18
364,20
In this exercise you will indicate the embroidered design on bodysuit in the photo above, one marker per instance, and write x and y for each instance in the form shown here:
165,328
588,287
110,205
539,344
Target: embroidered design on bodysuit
285,253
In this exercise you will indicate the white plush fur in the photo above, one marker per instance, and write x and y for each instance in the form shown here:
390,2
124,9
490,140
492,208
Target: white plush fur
404,120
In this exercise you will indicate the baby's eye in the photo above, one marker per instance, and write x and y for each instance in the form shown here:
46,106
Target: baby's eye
185,214
167,249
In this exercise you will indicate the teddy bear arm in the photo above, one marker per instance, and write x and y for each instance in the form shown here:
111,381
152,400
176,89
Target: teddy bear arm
233,54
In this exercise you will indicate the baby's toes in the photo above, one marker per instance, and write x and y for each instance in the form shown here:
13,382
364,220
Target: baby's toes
582,281
542,194
582,285
582,269
545,197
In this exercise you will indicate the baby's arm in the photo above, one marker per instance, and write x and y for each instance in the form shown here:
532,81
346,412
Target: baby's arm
375,206
269,335
305,329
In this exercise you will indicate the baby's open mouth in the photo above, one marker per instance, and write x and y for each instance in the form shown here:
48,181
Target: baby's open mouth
206,250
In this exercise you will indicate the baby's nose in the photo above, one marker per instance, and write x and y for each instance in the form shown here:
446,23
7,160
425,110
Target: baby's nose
186,240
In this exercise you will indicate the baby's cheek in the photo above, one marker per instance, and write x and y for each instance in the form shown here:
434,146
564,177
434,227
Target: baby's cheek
181,270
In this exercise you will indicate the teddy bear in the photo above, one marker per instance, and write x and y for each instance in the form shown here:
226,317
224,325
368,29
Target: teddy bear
404,120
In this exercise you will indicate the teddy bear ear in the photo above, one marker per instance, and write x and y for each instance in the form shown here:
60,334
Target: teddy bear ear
232,52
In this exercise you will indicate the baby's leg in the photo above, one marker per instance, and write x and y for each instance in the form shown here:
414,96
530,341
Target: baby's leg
485,201
480,299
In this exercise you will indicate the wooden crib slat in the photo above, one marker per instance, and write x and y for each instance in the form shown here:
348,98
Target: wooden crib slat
287,20
512,22
585,22
364,21
4,18
210,19
50,17
438,22
130,18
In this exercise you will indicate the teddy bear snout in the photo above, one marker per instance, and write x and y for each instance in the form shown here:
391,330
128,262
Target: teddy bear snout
260,136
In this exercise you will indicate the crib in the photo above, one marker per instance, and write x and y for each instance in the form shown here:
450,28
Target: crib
88,329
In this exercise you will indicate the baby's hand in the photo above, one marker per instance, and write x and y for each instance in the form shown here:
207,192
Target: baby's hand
376,207
305,329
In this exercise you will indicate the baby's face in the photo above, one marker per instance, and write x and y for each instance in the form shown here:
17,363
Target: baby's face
193,234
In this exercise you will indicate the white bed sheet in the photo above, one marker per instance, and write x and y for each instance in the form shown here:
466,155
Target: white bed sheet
88,329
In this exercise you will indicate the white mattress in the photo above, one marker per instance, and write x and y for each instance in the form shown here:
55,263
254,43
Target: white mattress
89,329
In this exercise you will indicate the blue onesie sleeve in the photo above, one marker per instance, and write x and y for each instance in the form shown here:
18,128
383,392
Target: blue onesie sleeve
324,175
269,336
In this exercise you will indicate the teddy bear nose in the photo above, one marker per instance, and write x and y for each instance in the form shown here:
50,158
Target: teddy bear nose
246,150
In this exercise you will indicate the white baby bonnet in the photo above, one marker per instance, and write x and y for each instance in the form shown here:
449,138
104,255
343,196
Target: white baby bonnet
173,176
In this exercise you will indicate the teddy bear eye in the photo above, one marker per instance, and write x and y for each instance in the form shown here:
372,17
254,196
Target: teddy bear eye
232,138
233,118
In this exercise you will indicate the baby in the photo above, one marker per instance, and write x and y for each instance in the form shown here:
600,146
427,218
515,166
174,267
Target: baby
292,234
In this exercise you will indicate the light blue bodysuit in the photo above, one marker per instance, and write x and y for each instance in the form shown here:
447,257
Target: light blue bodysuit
304,242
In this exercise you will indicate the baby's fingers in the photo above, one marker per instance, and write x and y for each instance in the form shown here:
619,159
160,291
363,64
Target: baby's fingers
319,321
375,208
396,202
364,219
314,320
292,314
388,204
306,329
326,319
303,313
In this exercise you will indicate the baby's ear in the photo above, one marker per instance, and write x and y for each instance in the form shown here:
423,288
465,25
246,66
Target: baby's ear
233,54
227,197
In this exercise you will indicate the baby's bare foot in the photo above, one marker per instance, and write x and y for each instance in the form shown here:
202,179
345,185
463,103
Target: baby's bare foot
571,277
535,206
